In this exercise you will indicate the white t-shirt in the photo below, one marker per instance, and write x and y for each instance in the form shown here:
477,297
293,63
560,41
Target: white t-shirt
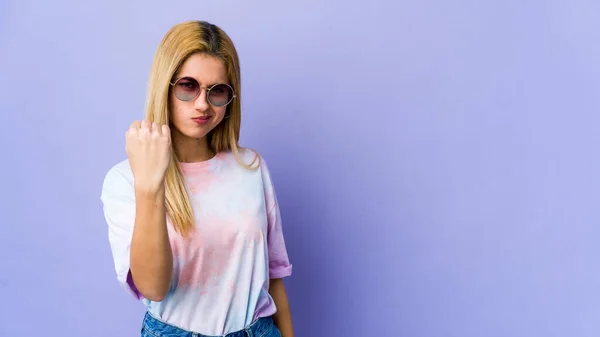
221,272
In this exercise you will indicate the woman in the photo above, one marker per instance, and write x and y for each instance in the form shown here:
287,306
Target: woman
194,224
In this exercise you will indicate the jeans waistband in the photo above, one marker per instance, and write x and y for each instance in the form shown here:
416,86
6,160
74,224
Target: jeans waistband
158,328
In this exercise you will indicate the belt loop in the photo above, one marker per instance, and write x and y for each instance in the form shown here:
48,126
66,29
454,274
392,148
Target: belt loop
248,331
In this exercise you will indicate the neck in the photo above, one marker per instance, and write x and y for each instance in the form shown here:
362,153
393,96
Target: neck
191,150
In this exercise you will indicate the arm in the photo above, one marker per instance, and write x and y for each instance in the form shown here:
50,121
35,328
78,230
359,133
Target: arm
279,263
283,316
151,257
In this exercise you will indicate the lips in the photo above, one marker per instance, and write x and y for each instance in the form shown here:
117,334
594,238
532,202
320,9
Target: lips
201,119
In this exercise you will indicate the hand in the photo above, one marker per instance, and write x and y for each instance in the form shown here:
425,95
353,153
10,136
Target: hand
148,147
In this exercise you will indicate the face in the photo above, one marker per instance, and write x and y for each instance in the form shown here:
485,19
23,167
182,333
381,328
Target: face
195,110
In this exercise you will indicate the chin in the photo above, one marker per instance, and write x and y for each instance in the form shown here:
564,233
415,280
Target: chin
193,133
196,134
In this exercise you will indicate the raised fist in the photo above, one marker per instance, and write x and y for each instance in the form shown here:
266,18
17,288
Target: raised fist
148,147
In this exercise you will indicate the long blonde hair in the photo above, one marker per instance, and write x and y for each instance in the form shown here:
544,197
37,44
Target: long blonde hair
179,43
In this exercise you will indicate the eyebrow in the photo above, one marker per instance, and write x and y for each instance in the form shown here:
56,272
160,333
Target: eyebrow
195,79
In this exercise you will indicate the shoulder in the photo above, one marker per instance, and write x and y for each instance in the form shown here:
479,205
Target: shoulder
255,160
250,163
260,168
118,179
247,158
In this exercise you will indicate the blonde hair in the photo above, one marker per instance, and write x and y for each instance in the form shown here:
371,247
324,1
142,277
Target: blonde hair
178,44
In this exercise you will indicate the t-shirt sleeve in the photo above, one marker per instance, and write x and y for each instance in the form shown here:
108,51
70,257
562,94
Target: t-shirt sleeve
118,202
279,263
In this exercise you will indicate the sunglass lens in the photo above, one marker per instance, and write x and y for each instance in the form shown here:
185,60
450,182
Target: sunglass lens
220,95
186,89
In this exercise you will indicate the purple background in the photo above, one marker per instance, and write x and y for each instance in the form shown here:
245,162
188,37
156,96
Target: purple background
436,161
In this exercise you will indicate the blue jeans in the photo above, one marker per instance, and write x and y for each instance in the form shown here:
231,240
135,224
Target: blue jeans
152,327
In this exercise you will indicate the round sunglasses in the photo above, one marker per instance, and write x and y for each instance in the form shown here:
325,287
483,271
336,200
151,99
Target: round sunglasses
187,89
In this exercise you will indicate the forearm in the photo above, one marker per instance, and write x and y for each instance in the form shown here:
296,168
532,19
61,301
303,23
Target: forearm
151,257
283,316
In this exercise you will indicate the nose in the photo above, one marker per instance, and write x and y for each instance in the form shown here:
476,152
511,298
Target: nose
201,102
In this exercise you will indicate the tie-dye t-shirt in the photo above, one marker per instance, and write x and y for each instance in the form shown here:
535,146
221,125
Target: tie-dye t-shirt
221,272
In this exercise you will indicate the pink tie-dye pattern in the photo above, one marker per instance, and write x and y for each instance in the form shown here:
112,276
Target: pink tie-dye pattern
200,177
220,271
200,182
202,261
